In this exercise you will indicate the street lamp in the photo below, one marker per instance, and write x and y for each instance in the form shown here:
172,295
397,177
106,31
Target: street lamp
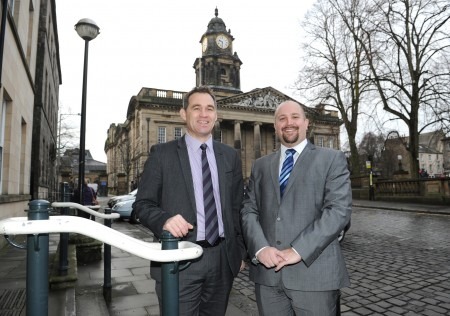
399,157
87,30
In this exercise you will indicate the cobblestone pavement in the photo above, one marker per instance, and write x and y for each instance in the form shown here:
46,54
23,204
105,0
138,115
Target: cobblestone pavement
399,264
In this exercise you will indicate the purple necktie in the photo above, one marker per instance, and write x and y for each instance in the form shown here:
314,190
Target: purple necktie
211,222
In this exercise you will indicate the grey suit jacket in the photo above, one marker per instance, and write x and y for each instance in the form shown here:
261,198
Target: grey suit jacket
166,189
315,207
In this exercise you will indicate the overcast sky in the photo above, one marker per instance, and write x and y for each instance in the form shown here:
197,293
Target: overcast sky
144,43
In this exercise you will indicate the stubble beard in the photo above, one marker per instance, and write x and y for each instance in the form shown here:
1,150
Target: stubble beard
291,139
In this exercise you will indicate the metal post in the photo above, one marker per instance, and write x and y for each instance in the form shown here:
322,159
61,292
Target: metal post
170,278
37,262
82,157
107,263
64,237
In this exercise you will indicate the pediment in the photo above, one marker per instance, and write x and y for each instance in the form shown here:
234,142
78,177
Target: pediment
263,99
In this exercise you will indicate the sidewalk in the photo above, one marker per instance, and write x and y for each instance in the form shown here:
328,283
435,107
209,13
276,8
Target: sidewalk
132,289
405,207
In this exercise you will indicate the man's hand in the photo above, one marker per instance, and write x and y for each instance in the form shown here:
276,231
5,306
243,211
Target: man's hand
290,256
177,226
271,257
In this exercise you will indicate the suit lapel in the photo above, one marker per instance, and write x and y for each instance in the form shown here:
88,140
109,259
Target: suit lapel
275,173
303,160
220,162
186,170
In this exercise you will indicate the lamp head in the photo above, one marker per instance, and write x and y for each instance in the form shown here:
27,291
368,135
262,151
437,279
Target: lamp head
87,29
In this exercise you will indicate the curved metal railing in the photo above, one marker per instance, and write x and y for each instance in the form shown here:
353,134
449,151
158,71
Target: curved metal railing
91,209
73,224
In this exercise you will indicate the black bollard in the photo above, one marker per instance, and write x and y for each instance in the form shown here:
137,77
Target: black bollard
64,237
107,263
37,262
170,278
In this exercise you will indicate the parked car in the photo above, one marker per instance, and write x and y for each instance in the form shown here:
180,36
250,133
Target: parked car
125,210
119,198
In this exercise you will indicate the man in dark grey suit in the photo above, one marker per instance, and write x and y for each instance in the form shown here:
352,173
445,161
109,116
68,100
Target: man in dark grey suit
298,200
171,197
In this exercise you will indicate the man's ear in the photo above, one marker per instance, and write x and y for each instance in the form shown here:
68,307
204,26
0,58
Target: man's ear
183,114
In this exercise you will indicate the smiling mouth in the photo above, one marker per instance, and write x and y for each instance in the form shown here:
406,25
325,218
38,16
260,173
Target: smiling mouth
290,129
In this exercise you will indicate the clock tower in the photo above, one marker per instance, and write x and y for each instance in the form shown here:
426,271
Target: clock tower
218,68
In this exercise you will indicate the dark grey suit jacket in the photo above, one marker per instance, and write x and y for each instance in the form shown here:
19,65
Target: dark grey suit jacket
315,207
166,189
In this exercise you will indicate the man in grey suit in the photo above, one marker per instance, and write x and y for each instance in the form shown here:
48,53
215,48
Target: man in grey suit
175,195
297,203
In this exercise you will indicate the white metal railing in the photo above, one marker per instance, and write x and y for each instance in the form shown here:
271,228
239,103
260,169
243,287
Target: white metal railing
74,224
88,209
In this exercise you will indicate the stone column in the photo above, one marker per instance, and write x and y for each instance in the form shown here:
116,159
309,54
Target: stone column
237,137
217,132
257,139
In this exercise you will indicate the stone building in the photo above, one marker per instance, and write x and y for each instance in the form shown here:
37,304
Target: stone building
245,120
29,77
434,154
44,176
94,170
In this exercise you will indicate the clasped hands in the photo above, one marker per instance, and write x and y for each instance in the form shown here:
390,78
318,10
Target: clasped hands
271,257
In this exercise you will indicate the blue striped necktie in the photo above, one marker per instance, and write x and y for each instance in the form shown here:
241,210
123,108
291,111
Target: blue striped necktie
286,169
211,221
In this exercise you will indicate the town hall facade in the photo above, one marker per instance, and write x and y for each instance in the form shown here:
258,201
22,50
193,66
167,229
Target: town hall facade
245,120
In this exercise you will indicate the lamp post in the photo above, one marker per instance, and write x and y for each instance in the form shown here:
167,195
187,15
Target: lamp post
87,30
399,158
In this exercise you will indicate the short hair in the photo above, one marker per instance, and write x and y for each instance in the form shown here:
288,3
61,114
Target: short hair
199,89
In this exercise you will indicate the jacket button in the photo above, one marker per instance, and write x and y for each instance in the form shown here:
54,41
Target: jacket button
278,242
278,219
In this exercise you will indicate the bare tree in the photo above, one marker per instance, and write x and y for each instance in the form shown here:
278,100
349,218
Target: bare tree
68,133
336,70
407,44
371,148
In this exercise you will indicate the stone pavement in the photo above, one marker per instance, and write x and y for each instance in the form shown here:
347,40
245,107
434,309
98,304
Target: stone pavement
133,290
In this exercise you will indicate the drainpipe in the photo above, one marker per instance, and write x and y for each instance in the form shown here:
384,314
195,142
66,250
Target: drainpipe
2,36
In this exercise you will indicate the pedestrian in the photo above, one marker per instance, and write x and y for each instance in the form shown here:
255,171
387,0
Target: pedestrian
298,200
89,198
171,197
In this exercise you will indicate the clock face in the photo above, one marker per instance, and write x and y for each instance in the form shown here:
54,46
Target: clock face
204,44
222,41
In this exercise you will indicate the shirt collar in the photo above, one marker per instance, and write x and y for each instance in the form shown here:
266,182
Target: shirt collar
298,148
194,143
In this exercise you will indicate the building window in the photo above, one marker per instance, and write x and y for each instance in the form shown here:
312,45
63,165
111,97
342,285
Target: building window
331,142
320,141
161,134
178,132
429,157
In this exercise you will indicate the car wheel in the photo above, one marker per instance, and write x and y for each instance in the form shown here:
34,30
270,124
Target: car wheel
133,218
